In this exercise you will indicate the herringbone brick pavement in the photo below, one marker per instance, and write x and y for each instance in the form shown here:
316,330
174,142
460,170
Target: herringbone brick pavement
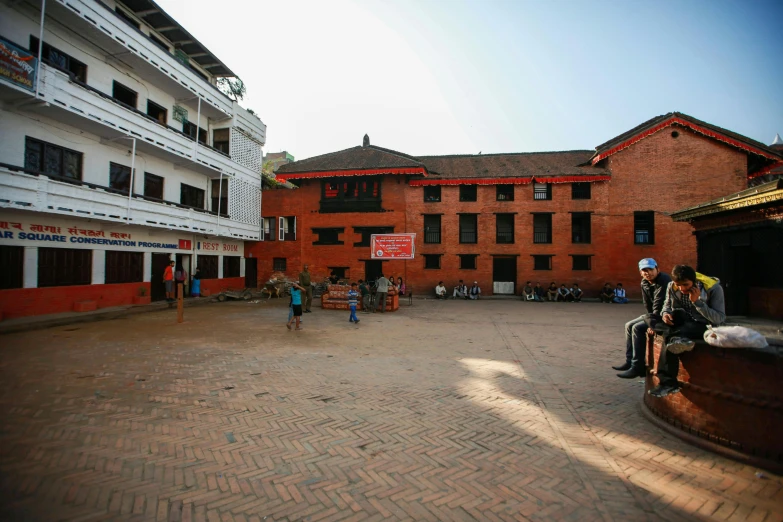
495,410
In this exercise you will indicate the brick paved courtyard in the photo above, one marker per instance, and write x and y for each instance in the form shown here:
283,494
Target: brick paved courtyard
496,410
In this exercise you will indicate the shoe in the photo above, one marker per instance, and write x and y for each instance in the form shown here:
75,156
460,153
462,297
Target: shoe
622,367
288,326
350,320
300,328
308,311
661,390
631,373
357,321
678,345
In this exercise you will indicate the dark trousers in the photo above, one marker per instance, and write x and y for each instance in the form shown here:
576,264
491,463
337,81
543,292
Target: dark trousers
381,300
308,297
669,363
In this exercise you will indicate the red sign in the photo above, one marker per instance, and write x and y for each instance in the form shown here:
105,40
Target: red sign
185,244
392,246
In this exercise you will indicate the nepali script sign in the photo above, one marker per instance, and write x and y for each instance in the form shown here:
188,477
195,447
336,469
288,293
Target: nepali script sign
392,246
17,66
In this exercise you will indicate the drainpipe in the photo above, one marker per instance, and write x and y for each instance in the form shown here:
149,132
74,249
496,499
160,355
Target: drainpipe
133,170
40,50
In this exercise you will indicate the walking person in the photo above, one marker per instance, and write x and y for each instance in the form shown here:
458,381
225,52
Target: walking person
304,280
296,305
168,280
366,297
353,300
381,291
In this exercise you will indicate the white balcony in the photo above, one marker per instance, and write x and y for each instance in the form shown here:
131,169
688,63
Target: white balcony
23,191
85,108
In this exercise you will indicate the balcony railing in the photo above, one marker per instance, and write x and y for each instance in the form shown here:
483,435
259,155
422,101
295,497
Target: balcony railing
542,237
468,236
505,236
432,236
22,189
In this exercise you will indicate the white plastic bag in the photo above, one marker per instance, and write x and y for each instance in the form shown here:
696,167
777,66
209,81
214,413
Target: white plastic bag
734,337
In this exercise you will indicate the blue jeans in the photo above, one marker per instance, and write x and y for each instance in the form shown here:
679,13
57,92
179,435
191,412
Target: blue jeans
620,300
353,314
636,342
290,312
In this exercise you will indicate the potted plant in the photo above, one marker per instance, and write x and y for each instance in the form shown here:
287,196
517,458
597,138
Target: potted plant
142,298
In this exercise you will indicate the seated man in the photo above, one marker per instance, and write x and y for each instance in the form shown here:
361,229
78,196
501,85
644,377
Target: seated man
576,292
693,301
619,294
538,292
527,292
564,294
461,290
440,291
551,292
607,294
474,292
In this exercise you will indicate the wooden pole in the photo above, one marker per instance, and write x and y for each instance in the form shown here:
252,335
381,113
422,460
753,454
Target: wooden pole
180,304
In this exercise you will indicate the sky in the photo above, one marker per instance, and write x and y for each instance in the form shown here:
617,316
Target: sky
431,77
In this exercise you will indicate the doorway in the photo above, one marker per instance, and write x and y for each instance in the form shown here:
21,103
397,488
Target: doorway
504,275
182,263
251,272
372,270
159,264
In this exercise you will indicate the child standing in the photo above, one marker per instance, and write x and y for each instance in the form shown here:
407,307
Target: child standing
296,305
353,299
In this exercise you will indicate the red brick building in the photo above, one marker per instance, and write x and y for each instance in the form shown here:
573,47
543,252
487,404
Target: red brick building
583,216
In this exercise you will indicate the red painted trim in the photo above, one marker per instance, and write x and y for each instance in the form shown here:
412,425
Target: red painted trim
679,121
507,181
358,172
765,170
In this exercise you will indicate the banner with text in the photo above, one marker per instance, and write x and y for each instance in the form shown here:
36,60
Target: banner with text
393,246
17,65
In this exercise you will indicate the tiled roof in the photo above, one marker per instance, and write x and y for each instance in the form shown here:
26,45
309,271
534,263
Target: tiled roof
355,158
763,194
516,165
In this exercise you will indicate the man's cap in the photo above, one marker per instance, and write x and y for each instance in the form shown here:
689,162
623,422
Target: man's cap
647,262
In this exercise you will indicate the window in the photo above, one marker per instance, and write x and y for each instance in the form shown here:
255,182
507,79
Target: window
504,192
580,227
221,140
432,261
119,177
339,195
124,267
279,264
190,130
467,193
468,228
208,267
56,58
581,262
191,196
52,160
432,193
230,266
153,186
367,232
159,42
269,229
124,95
542,262
341,272
286,228
542,228
11,267
157,112
64,267
542,191
125,16
580,190
432,228
644,228
467,261
328,236
220,197
504,225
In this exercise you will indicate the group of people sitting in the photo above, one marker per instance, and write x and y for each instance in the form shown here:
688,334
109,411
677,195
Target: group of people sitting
553,293
461,291
613,295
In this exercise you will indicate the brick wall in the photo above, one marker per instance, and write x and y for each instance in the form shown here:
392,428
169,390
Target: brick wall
22,302
215,286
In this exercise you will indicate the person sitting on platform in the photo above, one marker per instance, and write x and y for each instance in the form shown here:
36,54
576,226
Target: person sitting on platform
538,292
461,290
474,292
551,292
607,293
527,292
576,292
693,302
440,291
619,295
564,294
654,285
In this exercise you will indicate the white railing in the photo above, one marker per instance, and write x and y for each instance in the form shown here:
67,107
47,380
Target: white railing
24,191
58,89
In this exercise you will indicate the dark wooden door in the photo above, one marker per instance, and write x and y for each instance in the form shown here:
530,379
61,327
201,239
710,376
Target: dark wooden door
251,272
159,264
372,270
504,275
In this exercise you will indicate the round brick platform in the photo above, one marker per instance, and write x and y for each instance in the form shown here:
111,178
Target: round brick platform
731,402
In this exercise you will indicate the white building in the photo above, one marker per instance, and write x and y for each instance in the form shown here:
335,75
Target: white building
101,177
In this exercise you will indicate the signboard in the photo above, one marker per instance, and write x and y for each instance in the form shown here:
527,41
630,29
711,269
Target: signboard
17,66
392,246
180,114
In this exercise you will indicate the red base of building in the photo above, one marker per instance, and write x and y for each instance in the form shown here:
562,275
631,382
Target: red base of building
731,402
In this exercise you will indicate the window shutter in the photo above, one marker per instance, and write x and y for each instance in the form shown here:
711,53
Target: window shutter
281,231
294,228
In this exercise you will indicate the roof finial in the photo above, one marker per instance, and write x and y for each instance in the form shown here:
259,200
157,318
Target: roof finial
366,141
777,140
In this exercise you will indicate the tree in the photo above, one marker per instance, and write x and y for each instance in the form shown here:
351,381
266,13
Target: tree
234,88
